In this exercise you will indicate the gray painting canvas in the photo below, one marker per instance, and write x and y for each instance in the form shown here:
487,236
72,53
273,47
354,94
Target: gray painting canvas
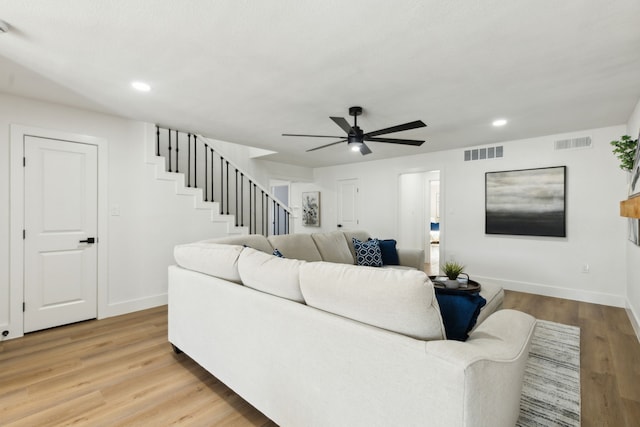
526,202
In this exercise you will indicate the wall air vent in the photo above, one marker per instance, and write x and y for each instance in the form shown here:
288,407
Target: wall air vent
573,143
483,153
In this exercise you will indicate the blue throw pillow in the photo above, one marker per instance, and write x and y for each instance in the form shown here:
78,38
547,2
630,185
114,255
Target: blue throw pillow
368,253
277,253
389,252
459,310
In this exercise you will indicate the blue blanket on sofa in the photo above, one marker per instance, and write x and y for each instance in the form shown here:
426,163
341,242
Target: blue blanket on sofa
459,310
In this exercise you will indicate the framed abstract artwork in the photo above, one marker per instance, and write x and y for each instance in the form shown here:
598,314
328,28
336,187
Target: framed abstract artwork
311,209
527,202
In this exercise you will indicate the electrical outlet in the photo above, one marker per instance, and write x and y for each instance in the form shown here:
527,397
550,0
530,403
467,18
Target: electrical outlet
585,268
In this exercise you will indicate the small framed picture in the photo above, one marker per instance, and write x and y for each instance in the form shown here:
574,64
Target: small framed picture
311,209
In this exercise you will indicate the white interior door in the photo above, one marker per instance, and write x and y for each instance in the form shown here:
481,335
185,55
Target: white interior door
60,271
348,203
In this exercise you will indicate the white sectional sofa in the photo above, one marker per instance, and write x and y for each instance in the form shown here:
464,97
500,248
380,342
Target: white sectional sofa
317,343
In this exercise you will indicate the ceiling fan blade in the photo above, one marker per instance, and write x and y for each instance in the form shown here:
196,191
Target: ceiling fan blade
364,150
340,121
312,136
411,125
396,141
328,145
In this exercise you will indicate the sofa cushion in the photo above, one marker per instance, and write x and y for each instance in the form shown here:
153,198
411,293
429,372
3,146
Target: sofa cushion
298,246
368,253
333,247
401,301
363,236
255,241
215,259
389,252
271,274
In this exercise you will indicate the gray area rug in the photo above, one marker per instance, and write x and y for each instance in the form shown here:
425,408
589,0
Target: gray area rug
551,390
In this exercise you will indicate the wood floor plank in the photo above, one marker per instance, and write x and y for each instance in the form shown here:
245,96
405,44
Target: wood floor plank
122,371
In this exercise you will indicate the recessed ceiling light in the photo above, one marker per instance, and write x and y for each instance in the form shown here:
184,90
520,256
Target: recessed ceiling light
141,86
499,122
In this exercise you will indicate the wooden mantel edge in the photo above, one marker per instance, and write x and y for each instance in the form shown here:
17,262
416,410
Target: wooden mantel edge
630,208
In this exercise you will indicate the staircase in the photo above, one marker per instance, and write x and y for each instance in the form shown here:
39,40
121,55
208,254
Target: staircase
215,183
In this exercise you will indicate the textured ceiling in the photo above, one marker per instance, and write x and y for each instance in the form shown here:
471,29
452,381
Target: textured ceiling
248,71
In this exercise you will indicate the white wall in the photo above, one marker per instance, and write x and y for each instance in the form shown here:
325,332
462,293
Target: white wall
633,252
152,217
550,266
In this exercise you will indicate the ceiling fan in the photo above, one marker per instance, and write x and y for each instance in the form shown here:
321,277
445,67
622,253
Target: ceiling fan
356,136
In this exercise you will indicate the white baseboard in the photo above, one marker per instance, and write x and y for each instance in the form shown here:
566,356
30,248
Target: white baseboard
558,292
633,318
130,306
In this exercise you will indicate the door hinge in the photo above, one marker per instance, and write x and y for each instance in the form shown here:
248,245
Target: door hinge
24,307
24,234
24,162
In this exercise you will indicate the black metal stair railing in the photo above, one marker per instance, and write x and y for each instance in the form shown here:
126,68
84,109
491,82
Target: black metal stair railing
222,182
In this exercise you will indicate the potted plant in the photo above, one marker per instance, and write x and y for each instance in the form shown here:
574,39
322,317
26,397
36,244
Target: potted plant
625,150
452,270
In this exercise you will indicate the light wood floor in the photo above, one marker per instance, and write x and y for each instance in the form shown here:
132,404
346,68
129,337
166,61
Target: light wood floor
122,371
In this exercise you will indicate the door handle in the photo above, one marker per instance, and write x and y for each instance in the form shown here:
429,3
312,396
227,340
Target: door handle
90,240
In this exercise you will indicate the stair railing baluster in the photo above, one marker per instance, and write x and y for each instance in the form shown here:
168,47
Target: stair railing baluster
212,199
250,211
255,210
262,225
227,187
266,213
188,160
206,178
235,183
241,199
177,149
276,209
195,161
221,185
169,156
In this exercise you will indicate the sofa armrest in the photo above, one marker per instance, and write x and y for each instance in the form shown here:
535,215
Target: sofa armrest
493,360
411,258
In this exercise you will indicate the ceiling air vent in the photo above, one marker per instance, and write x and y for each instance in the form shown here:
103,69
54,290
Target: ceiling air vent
573,143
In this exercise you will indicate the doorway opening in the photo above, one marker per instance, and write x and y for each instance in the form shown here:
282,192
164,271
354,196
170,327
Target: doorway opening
419,215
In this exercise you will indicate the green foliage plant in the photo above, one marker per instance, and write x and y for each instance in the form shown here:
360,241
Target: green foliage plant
625,150
452,269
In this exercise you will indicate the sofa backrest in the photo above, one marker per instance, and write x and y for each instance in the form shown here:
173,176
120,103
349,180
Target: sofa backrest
215,259
255,241
333,247
271,274
401,301
298,246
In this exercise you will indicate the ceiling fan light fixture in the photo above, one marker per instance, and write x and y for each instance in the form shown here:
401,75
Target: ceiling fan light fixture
356,146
